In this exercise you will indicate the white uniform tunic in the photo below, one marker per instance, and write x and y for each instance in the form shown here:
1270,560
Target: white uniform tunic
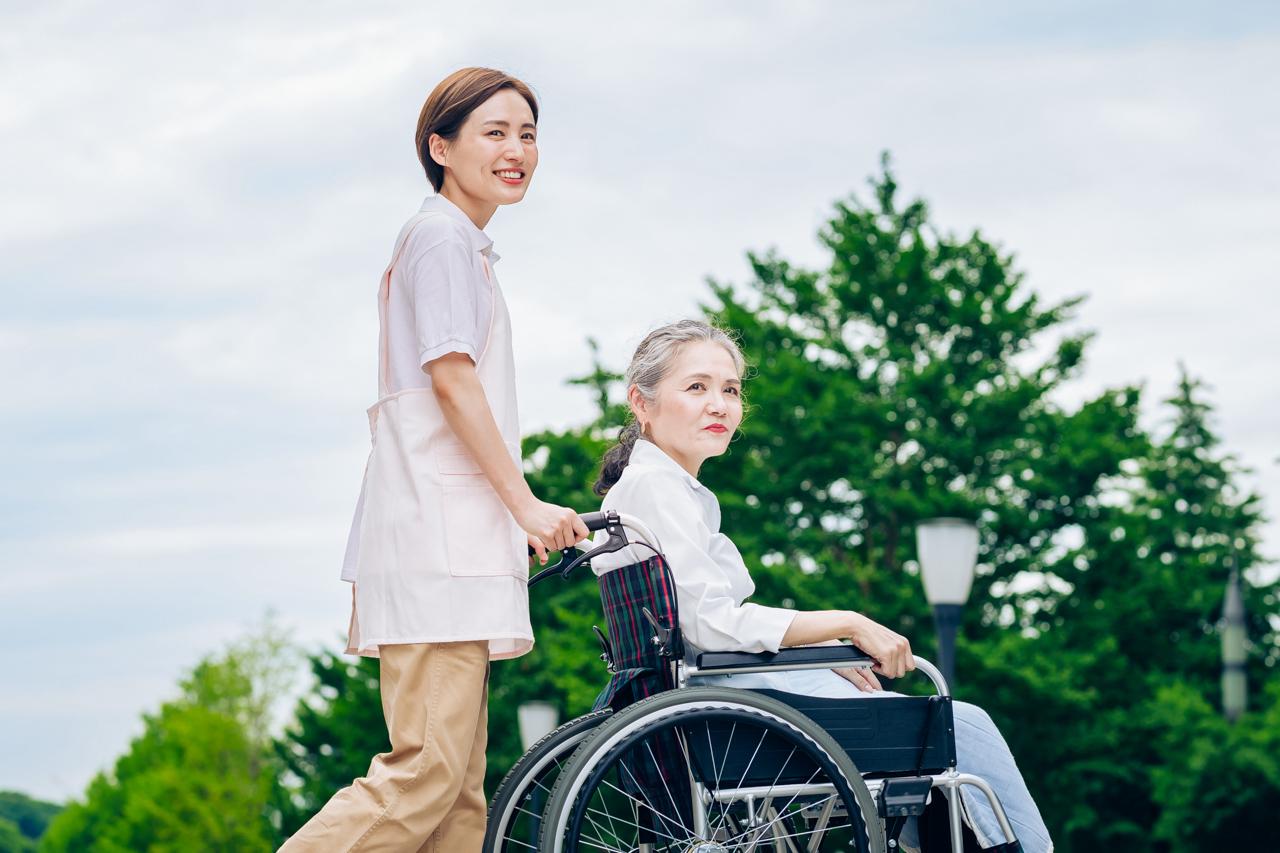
435,555
712,581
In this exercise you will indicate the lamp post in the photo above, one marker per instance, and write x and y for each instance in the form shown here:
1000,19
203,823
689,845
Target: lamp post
536,719
948,552
1233,651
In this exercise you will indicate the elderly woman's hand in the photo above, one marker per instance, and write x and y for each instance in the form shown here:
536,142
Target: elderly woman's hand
860,678
890,649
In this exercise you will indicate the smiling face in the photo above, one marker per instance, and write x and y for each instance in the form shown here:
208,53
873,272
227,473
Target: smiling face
491,160
697,406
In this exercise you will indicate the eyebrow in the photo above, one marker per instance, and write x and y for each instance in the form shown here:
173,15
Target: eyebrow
500,123
708,376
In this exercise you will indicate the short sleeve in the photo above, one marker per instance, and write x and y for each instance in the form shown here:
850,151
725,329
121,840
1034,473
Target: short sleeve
450,304
710,617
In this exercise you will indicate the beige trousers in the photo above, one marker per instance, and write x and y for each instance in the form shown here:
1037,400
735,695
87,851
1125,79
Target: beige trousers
427,793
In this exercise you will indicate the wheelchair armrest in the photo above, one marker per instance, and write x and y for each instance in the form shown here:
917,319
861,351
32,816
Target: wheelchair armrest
799,657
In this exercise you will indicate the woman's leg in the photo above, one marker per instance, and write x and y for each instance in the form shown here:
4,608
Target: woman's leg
982,751
433,696
463,828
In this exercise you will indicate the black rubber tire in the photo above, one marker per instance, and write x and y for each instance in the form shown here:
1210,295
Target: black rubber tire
628,726
515,786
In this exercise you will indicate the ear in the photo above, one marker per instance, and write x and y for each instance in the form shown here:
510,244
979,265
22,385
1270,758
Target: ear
438,148
637,402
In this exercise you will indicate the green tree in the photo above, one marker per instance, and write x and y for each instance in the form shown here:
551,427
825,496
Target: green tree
1143,590
337,728
12,840
1219,784
201,775
23,820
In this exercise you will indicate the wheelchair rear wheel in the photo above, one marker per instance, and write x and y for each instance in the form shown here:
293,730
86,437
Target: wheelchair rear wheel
710,770
515,814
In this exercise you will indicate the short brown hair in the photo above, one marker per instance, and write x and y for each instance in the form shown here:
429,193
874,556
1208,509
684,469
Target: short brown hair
452,100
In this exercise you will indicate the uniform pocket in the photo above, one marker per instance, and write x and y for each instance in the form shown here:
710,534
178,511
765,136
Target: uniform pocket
456,465
481,536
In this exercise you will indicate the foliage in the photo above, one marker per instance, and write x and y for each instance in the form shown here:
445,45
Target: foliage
1219,785
337,728
12,840
201,775
23,820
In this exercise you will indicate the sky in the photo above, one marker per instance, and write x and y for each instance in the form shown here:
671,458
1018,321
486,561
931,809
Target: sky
199,199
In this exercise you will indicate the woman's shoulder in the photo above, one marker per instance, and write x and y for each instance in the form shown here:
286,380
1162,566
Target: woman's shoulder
430,229
641,482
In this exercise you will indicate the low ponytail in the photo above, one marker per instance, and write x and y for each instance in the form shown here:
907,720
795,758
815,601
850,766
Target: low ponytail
616,459
653,360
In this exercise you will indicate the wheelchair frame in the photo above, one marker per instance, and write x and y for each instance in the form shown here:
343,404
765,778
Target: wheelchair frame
895,797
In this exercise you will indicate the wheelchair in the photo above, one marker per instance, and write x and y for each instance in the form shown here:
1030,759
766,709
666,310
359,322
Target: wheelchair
663,765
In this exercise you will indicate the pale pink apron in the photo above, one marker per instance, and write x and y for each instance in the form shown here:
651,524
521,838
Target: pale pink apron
438,558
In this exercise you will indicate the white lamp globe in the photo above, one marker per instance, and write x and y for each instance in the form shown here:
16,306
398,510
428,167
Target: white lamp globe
948,553
536,719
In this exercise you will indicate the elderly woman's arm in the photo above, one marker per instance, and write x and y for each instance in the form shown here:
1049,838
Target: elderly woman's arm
890,649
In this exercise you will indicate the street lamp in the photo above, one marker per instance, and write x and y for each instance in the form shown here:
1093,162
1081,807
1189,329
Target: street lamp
536,719
948,552
1233,652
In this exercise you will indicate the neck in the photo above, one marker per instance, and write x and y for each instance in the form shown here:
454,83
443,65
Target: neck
479,212
687,463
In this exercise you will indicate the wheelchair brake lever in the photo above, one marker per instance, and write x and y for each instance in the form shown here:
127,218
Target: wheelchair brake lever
662,635
565,555
606,650
616,542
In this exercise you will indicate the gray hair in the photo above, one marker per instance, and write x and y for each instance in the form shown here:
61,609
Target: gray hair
652,362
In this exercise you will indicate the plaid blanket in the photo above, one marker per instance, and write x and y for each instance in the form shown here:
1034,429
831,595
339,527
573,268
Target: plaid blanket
640,667
658,777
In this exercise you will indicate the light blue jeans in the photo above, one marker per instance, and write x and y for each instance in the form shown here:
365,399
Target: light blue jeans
980,750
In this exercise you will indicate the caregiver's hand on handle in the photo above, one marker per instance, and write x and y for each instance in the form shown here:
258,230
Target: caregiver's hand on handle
549,527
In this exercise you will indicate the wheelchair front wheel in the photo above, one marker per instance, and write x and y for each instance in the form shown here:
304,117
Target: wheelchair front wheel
515,813
710,770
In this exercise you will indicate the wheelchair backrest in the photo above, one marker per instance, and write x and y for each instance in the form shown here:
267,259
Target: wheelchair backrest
640,666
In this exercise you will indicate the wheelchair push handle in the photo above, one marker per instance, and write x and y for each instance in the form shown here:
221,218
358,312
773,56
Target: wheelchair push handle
616,525
593,521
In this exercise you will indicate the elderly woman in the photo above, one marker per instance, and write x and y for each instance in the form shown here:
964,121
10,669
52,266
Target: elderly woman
684,386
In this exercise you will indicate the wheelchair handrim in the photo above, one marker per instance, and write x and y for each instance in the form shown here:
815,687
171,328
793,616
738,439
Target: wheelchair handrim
550,750
569,818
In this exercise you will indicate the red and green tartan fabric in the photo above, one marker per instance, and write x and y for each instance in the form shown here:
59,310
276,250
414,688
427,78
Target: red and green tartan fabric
640,668
658,777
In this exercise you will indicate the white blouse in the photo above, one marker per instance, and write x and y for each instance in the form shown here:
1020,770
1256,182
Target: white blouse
712,582
439,300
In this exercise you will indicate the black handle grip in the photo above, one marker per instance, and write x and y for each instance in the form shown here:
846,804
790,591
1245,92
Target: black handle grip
593,520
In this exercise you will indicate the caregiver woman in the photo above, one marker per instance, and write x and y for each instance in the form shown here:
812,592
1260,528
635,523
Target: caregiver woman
684,386
438,547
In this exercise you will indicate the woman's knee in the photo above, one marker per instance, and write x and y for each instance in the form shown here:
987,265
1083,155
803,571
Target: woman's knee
972,714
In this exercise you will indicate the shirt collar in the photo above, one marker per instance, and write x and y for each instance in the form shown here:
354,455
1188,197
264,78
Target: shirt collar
479,240
648,453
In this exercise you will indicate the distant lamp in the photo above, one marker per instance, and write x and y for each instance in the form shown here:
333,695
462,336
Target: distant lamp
948,552
1233,648
536,719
